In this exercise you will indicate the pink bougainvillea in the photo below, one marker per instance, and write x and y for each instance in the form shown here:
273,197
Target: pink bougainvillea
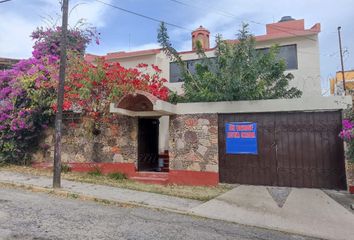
347,133
27,91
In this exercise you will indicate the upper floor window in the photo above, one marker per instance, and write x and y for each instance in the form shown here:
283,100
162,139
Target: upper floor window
288,53
175,72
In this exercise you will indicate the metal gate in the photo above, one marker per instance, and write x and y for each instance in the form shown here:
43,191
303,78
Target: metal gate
295,149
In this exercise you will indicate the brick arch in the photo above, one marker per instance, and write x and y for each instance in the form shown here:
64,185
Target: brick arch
137,101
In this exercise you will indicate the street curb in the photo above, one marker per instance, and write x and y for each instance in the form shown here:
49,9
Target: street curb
83,197
75,195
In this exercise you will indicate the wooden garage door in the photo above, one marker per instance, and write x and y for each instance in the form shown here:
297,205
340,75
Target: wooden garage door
295,149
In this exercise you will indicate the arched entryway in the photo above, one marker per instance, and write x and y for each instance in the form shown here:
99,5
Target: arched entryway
149,110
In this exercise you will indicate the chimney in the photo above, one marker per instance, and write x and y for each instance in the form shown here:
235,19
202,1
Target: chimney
201,34
286,23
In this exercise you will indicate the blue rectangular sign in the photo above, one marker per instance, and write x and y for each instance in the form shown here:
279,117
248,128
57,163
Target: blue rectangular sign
241,138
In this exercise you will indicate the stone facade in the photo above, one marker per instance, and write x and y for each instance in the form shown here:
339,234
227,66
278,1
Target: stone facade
194,142
350,175
115,141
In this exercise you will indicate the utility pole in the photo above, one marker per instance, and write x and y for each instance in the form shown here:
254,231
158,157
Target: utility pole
59,114
341,59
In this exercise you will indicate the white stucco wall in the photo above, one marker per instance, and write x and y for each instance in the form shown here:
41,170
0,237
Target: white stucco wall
132,62
313,103
307,76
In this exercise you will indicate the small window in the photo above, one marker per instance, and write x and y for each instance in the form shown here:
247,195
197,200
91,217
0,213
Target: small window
289,54
175,73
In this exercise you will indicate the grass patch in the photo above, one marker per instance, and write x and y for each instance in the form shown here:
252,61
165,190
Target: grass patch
73,195
190,192
96,172
117,176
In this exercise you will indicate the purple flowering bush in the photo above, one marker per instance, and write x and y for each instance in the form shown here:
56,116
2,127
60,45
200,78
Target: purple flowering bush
28,92
25,106
47,41
347,133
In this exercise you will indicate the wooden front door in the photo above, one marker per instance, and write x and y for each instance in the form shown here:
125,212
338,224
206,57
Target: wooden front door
295,149
148,144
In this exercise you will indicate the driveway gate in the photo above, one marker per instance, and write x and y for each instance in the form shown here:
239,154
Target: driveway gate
295,149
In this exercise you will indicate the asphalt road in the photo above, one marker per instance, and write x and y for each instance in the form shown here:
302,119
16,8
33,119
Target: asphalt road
28,216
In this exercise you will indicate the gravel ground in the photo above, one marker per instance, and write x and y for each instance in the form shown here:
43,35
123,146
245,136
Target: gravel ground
28,216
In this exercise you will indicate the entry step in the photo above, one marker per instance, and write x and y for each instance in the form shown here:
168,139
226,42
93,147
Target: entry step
151,180
152,174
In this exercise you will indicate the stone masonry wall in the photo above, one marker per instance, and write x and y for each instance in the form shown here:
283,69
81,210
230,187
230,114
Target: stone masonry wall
350,174
113,142
194,142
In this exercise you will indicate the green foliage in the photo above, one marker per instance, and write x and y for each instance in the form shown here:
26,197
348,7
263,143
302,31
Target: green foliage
239,72
117,176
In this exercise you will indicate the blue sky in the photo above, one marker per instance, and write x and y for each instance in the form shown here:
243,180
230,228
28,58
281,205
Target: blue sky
122,31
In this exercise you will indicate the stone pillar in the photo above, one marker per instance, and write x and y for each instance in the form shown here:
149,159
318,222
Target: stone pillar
194,142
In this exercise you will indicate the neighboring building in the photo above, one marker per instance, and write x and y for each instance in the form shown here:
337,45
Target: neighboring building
336,83
298,46
6,63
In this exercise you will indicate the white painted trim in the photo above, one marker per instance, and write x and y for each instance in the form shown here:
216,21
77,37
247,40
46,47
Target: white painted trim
165,107
162,108
273,105
154,113
120,111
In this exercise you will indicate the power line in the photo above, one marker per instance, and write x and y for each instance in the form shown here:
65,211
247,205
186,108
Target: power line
188,5
3,1
227,14
184,28
142,15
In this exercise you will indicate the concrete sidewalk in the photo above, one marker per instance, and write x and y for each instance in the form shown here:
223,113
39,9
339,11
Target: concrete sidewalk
101,192
308,212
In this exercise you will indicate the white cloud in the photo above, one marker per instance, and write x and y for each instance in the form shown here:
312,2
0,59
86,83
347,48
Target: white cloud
93,12
15,41
145,47
18,20
103,50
